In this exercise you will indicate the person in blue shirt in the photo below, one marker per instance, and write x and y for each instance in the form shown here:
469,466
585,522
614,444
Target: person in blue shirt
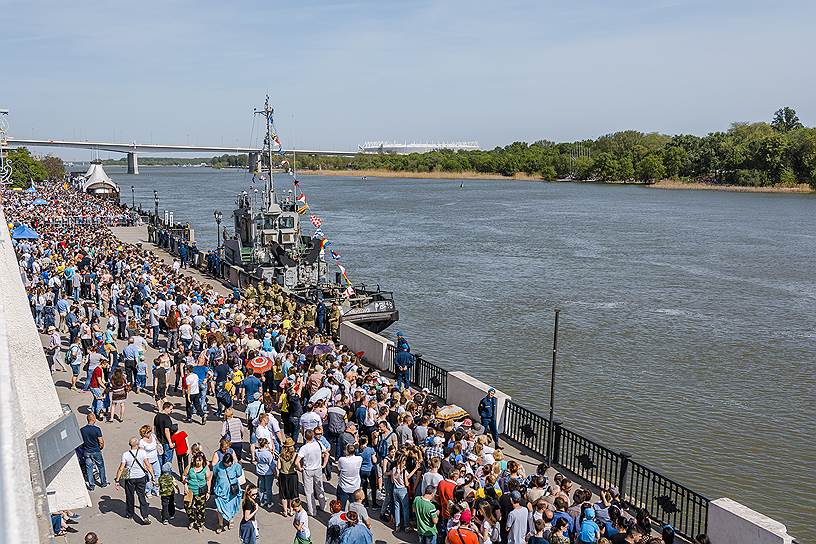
368,472
92,445
488,408
252,385
589,532
403,362
561,513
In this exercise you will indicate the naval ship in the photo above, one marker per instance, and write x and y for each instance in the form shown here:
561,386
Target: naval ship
270,245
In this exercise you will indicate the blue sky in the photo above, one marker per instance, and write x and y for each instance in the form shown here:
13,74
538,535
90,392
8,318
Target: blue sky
343,72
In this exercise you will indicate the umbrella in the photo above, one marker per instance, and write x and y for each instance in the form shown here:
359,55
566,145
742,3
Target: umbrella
259,365
24,232
321,394
31,189
317,349
40,202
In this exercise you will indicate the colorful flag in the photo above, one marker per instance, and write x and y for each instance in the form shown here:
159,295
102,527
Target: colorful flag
301,198
303,209
316,221
349,292
335,255
324,242
317,233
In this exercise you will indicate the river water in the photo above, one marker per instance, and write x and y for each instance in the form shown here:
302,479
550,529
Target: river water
687,330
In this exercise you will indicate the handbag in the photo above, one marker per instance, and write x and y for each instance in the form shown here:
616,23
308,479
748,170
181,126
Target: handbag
126,471
234,488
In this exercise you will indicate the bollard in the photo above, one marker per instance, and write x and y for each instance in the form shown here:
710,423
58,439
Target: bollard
625,456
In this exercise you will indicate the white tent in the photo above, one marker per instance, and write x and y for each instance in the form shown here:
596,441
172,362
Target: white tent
98,182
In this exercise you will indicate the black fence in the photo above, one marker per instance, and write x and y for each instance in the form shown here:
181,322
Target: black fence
586,458
526,428
424,375
640,487
667,500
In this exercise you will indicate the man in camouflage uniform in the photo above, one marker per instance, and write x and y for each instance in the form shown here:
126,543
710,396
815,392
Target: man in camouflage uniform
334,319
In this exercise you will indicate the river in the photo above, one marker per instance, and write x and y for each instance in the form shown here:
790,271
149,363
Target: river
687,317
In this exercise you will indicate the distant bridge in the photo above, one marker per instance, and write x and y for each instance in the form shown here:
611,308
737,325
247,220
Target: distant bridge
132,149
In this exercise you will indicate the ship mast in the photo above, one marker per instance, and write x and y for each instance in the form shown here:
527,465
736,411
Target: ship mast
269,185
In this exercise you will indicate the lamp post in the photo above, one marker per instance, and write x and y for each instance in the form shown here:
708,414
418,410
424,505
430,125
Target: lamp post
552,390
156,208
218,216
132,197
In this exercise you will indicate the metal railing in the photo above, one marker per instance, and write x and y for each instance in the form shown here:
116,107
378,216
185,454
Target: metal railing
427,375
424,374
588,459
526,428
666,500
640,487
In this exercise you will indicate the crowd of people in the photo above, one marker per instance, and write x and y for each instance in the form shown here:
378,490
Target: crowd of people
297,408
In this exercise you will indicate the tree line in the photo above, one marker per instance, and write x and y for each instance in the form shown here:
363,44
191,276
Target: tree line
782,151
779,152
26,168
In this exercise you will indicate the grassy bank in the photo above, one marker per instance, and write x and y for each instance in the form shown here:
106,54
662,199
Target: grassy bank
670,184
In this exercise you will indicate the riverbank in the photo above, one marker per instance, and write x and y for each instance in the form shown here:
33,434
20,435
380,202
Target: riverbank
671,184
381,173
801,188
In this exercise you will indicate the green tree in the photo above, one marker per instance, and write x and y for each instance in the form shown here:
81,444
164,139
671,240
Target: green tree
650,168
584,167
785,120
674,159
769,155
24,168
626,169
549,173
54,167
606,167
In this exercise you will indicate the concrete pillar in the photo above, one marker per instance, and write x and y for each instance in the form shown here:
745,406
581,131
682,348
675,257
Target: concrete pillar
252,163
133,163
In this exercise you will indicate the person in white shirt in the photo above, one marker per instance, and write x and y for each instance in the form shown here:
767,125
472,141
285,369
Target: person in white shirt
349,479
135,470
311,420
193,395
310,460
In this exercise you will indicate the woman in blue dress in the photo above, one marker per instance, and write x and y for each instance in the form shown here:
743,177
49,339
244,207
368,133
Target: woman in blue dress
227,490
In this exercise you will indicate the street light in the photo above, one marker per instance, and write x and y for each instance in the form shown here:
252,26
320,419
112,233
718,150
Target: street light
132,197
218,216
156,209
552,390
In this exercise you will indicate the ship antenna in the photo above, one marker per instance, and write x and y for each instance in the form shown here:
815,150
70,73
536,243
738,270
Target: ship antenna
269,185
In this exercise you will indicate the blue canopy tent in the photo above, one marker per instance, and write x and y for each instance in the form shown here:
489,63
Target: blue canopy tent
40,202
31,189
24,232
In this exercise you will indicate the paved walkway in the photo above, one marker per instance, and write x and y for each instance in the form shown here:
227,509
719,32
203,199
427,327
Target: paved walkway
106,516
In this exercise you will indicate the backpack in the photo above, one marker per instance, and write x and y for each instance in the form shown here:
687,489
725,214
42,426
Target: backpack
69,359
383,445
336,424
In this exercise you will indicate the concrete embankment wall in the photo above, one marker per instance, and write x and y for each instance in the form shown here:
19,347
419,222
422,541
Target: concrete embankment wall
729,522
33,408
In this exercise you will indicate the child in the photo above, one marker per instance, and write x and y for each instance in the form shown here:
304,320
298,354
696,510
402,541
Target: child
538,537
301,523
179,439
141,375
167,492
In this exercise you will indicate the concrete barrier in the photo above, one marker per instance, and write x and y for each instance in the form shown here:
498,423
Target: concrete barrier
730,522
26,369
360,339
466,391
